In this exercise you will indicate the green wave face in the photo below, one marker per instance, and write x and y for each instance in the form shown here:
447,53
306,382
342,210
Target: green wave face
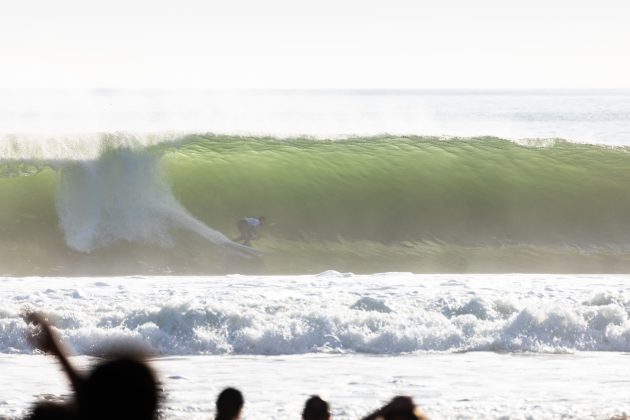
362,205
388,190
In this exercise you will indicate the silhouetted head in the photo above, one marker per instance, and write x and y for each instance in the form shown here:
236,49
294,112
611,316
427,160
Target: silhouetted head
262,219
316,409
122,388
402,408
229,404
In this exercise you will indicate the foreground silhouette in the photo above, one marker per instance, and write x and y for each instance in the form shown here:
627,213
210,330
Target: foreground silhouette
229,404
400,408
124,387
316,409
121,387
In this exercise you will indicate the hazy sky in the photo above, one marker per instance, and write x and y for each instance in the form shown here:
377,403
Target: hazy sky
315,44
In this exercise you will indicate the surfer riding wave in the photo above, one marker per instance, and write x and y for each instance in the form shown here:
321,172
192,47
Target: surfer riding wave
248,228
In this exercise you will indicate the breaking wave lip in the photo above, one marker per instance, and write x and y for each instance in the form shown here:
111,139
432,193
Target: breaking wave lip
80,146
91,145
121,197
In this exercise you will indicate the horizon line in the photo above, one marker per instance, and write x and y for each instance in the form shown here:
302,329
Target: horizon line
315,90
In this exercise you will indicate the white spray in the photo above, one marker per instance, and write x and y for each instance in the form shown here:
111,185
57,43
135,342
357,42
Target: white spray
122,196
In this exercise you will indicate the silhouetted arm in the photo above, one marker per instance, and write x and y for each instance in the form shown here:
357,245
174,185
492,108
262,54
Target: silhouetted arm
47,341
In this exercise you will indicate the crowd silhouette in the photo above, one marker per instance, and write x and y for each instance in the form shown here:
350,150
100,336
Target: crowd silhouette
123,386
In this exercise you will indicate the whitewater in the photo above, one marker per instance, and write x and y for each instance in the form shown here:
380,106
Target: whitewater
465,346
385,208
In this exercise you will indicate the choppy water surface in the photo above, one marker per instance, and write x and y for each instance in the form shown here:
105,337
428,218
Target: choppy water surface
389,314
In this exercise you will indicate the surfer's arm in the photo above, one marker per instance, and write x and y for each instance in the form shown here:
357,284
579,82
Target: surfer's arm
47,340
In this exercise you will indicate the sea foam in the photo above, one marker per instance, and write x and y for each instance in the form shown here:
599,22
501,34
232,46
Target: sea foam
308,314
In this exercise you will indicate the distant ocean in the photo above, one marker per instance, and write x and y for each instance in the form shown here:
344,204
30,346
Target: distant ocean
398,221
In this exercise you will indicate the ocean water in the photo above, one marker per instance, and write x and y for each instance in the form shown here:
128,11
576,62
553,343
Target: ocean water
464,346
364,182
117,209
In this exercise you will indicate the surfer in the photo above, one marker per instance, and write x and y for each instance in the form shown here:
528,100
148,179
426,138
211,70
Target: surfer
248,228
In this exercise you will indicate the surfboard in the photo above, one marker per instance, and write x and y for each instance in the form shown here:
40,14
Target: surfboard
244,249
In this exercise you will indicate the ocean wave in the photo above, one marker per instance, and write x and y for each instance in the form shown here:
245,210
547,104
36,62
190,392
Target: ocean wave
160,205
